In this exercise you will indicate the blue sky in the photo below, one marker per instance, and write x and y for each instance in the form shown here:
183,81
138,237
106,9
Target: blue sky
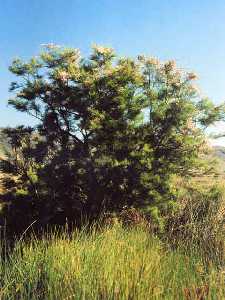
191,32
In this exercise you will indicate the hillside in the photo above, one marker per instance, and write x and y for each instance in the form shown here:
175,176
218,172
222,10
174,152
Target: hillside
218,154
3,144
1,150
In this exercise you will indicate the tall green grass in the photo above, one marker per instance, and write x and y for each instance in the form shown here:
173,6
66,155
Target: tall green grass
110,263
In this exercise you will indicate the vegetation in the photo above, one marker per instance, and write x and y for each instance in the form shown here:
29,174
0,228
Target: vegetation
125,256
112,132
119,157
111,263
3,145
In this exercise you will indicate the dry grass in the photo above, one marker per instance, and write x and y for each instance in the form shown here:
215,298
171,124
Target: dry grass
113,263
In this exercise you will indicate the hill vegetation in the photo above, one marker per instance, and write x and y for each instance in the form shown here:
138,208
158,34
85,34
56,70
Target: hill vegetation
3,145
114,194
113,263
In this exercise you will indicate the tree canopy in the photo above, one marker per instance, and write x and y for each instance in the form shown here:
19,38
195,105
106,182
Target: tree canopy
112,132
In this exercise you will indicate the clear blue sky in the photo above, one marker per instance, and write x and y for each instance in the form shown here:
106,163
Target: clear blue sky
191,32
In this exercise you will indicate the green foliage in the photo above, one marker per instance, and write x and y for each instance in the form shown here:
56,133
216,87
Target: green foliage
111,132
199,222
113,263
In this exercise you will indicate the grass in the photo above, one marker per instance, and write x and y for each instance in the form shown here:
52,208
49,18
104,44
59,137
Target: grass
112,263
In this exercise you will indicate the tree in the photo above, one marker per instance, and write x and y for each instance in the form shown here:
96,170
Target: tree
111,131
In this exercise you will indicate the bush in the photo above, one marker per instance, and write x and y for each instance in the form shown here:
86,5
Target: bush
111,132
200,222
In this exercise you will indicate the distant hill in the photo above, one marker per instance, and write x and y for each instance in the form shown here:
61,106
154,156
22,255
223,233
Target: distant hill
1,149
218,154
3,144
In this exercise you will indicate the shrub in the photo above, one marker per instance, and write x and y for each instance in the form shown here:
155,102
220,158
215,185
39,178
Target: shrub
111,132
200,222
